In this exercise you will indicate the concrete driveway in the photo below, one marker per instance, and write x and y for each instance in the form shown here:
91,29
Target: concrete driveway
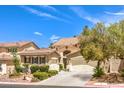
76,78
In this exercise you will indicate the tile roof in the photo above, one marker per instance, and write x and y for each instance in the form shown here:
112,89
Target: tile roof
66,41
14,44
42,51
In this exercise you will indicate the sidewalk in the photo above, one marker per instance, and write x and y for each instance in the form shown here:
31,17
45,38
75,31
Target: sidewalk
90,84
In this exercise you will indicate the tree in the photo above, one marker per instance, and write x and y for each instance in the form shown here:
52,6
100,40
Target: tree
95,44
16,61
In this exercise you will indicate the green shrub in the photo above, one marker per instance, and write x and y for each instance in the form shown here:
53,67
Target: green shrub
44,68
41,75
18,69
61,67
98,72
14,75
122,72
26,65
34,68
52,72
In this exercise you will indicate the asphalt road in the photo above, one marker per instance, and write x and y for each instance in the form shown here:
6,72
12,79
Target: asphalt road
34,86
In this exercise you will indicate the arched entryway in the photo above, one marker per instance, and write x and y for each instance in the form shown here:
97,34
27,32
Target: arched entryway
65,58
66,52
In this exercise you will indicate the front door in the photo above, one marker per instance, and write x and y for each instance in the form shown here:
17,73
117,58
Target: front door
65,63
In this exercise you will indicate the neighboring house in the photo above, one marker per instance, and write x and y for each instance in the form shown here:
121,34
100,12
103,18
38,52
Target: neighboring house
27,52
6,57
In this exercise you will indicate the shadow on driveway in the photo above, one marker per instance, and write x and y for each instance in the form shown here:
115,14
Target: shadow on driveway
83,77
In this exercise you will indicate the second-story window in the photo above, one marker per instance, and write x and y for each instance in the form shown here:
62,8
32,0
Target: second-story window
12,49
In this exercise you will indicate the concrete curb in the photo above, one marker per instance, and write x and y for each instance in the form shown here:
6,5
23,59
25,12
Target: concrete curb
103,85
20,83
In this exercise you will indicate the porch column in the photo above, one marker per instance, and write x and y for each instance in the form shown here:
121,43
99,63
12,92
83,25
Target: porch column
30,59
25,59
46,60
38,60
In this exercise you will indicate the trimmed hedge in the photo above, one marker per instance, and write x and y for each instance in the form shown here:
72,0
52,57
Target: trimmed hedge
34,68
52,72
44,68
41,75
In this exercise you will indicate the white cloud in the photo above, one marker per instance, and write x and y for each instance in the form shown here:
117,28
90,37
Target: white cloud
43,14
83,14
49,7
115,13
38,33
112,17
54,38
39,13
93,20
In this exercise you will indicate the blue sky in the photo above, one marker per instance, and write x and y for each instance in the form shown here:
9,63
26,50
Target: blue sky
46,24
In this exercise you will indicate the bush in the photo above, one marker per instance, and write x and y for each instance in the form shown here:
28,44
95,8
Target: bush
18,69
44,68
98,72
26,65
34,68
52,72
122,72
14,75
61,67
41,75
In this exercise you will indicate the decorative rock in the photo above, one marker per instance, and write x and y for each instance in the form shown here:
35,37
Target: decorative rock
28,78
54,67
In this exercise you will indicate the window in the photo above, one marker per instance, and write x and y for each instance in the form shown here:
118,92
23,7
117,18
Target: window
66,52
25,60
42,60
12,49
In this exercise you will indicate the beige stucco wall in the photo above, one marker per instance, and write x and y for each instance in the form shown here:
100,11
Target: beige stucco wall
53,58
27,46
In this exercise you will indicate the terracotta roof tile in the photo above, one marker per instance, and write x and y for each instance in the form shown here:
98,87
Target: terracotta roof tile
66,41
14,44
